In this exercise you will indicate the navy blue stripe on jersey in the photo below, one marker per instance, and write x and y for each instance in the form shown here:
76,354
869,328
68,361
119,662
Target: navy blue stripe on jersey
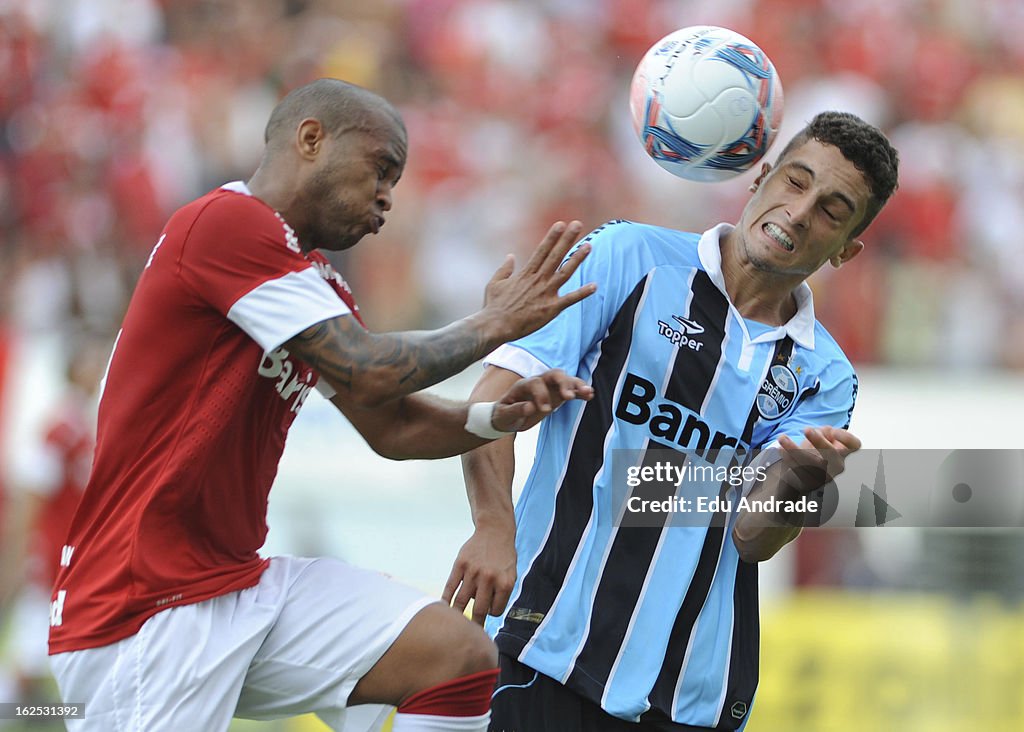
662,696
809,392
708,308
853,402
746,642
634,548
782,353
573,508
622,581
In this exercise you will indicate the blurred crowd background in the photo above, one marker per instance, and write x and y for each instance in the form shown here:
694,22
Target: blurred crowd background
113,113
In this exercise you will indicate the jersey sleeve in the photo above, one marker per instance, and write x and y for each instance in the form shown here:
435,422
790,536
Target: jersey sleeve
616,263
244,261
830,403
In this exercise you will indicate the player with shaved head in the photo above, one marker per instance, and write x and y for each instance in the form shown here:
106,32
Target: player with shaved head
164,616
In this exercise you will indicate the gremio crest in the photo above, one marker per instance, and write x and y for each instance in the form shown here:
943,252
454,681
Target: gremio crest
777,393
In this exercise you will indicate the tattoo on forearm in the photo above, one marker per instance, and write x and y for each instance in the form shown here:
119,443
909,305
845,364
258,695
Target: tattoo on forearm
404,362
406,377
315,337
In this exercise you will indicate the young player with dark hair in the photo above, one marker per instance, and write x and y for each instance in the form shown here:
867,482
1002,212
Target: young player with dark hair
695,343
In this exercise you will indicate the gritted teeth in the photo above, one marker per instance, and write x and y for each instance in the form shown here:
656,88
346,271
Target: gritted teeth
776,233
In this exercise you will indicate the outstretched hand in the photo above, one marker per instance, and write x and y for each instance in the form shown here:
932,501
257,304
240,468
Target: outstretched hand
484,572
819,457
525,300
528,401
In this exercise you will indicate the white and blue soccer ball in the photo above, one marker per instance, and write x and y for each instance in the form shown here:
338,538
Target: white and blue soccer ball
706,103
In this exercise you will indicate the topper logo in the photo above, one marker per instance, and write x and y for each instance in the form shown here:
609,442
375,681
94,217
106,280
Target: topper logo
682,337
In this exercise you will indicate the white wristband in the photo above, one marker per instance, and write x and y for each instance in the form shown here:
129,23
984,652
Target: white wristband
478,421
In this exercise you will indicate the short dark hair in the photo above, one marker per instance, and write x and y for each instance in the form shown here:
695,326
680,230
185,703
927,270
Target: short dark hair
862,144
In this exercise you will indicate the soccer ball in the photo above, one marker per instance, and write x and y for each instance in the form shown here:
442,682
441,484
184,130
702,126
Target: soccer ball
706,103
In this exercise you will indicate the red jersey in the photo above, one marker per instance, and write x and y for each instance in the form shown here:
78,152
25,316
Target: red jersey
197,401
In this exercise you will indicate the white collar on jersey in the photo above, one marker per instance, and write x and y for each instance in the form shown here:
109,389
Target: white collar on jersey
800,327
238,186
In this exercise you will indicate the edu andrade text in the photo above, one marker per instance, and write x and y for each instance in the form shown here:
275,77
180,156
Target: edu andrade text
716,504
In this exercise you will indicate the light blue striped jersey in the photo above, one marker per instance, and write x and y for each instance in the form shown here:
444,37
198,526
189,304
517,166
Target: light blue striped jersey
655,622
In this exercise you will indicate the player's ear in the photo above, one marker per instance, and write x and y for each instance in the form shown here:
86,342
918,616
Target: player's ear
309,137
850,250
765,170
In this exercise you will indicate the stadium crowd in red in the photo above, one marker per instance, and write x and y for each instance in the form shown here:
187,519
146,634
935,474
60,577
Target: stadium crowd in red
113,112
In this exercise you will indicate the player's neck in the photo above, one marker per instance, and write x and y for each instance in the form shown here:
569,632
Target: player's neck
278,192
272,189
761,296
764,307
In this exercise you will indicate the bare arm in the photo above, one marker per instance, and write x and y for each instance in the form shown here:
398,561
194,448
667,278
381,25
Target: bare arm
423,426
819,458
485,568
368,369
